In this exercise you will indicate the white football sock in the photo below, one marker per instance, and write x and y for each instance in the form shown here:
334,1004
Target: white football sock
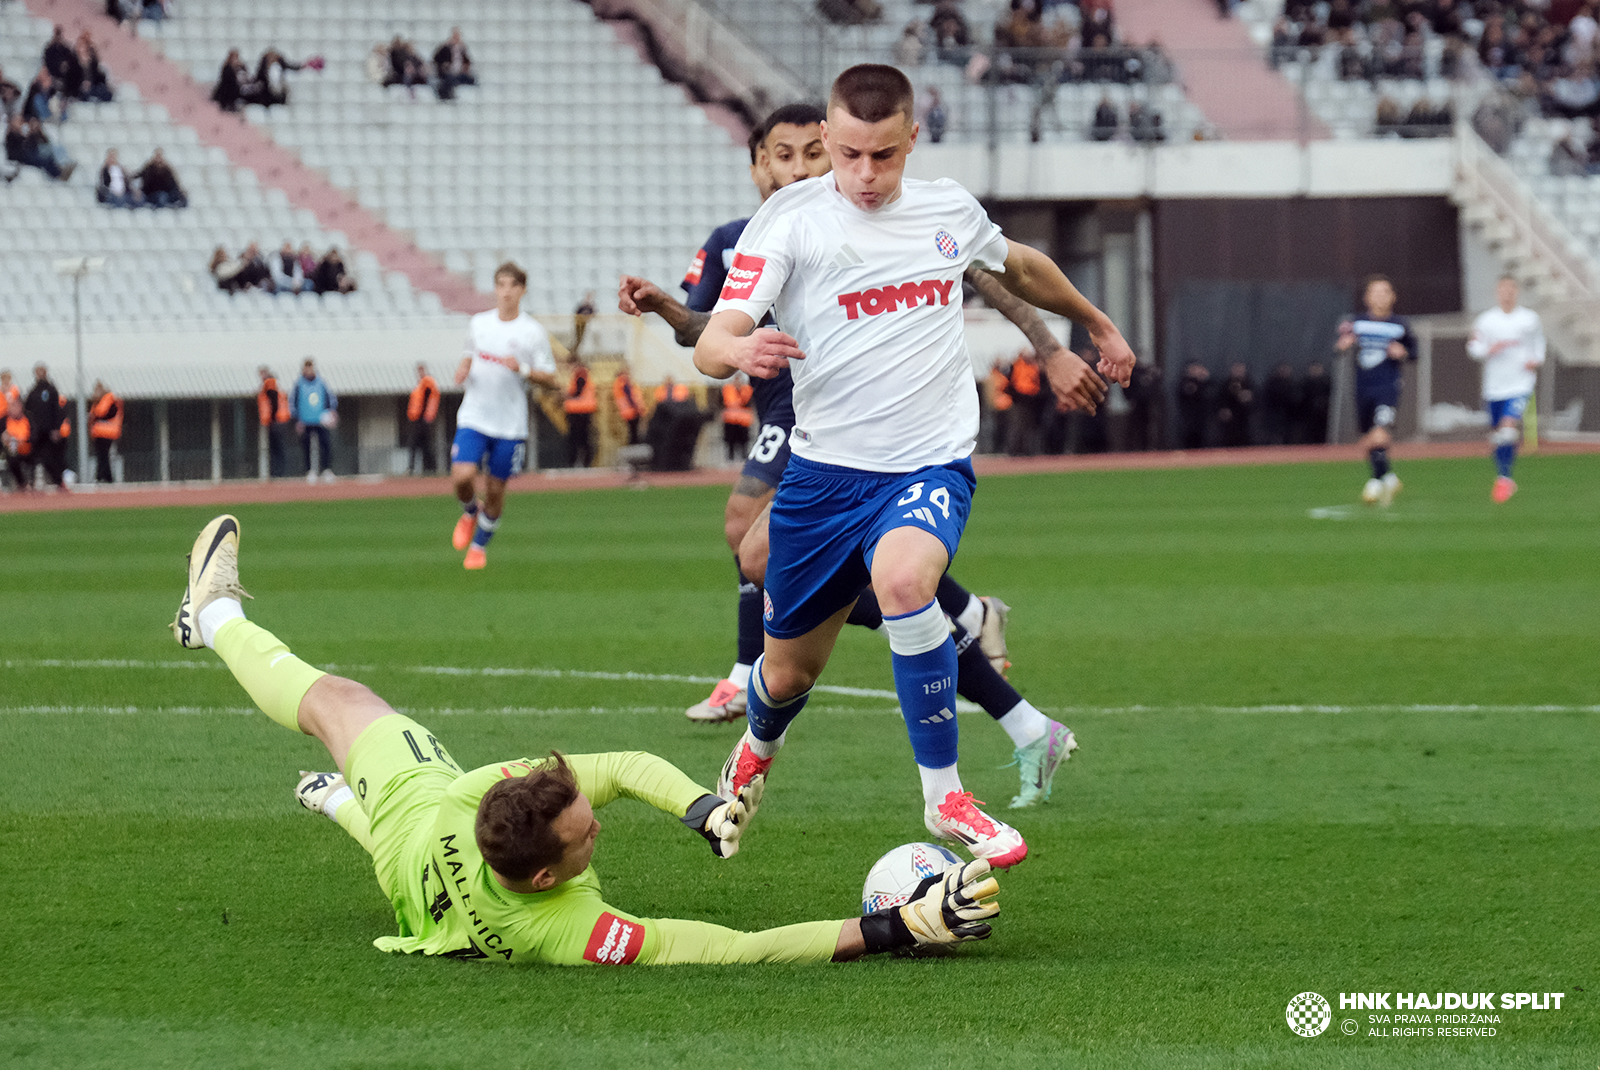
218,613
764,748
331,804
937,783
740,675
1024,724
971,618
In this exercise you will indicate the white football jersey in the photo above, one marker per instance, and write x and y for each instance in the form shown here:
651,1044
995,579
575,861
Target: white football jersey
874,299
1506,374
503,352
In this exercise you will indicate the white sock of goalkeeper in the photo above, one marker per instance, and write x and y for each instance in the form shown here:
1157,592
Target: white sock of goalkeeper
925,667
769,718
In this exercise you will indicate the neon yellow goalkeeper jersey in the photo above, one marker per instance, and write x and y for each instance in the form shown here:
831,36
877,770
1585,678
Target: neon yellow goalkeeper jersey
448,902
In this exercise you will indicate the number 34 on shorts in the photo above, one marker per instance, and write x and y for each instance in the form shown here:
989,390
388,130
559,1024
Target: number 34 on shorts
937,502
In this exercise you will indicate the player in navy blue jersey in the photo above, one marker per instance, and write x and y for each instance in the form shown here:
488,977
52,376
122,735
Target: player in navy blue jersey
1382,342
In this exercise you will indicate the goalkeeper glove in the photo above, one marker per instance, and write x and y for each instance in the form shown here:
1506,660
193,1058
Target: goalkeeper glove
721,822
950,908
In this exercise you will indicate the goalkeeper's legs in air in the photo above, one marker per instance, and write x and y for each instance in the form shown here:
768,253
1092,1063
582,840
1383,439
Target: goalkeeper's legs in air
296,695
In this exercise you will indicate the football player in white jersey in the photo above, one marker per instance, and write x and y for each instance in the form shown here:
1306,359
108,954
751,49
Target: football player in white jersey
1509,340
506,349
863,271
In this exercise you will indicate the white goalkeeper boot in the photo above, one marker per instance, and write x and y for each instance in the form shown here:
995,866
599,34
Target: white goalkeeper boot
323,793
213,574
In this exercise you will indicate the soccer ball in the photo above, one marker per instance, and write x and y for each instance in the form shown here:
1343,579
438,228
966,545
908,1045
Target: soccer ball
893,878
1372,491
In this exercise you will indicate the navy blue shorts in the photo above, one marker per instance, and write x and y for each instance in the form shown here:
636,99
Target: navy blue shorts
1377,407
504,454
826,523
1506,407
769,454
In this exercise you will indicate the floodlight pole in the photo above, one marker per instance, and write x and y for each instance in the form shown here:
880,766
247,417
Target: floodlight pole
80,268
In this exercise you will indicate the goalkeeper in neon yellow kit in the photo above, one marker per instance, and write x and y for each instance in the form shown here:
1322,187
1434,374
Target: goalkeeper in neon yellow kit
494,863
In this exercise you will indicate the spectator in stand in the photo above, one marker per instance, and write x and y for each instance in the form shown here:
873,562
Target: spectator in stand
17,440
850,12
1575,92
272,407
1315,391
47,420
91,83
308,268
331,277
1144,123
452,65
1194,406
225,270
911,50
155,10
271,81
159,184
315,410
105,428
287,278
44,100
114,187
1280,400
950,33
377,65
422,409
1106,120
10,97
59,58
405,66
255,274
234,86
27,145
934,119
1236,404
1388,119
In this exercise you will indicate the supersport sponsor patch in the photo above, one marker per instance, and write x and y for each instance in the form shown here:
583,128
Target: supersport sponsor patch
743,274
696,269
614,942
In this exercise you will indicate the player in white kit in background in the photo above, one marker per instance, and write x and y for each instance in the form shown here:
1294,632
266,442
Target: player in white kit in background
1509,340
863,269
506,349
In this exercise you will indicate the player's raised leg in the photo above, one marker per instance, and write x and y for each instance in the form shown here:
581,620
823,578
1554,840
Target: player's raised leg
907,563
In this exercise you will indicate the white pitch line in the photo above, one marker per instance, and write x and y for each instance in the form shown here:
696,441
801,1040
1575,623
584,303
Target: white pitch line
1322,708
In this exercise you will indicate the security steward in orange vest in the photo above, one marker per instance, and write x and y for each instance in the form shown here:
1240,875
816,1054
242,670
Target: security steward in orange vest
421,410
580,405
17,440
273,408
105,428
737,416
629,406
1027,394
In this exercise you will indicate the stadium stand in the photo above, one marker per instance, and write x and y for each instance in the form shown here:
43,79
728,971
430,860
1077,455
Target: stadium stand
571,155
987,87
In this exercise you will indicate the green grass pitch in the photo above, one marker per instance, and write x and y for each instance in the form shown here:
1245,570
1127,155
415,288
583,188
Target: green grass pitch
1349,751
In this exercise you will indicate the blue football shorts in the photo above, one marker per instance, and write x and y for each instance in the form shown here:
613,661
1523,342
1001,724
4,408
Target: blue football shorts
826,523
1506,407
1377,407
504,455
769,454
